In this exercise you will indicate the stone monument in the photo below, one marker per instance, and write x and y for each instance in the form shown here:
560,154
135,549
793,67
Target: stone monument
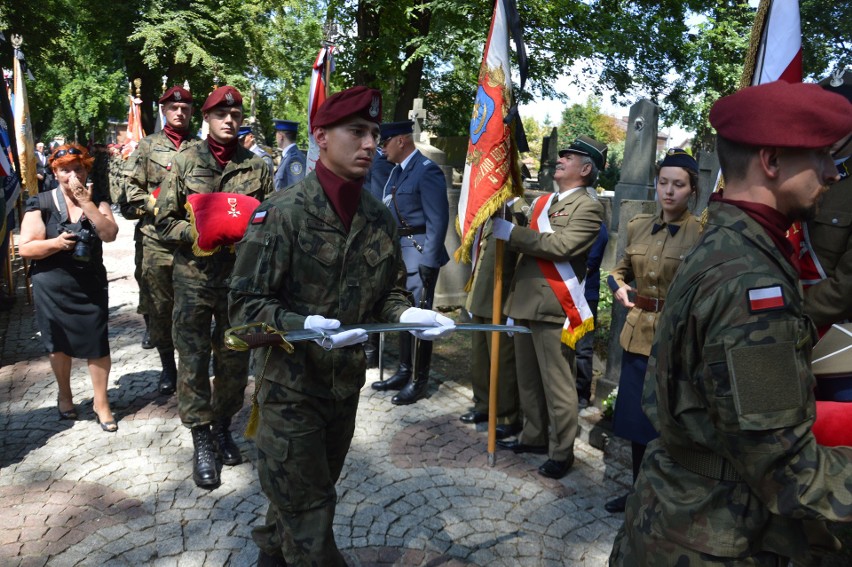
549,155
640,153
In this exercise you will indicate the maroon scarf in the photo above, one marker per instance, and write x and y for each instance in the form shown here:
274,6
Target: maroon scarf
773,222
176,136
222,153
344,195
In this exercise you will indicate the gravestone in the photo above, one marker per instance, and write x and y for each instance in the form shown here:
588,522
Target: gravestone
640,153
549,155
708,173
449,290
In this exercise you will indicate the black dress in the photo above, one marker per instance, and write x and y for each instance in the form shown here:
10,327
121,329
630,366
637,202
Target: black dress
70,294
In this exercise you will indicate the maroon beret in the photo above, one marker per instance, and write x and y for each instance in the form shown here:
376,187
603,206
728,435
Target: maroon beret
780,114
223,96
176,94
357,101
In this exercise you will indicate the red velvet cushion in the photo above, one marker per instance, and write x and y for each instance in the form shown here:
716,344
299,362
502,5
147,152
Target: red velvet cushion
218,219
833,425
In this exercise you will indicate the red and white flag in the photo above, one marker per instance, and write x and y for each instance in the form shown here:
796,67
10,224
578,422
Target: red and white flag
23,126
780,53
135,133
323,65
491,173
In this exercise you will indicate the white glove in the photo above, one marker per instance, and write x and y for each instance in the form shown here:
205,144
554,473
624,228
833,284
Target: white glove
510,322
502,229
320,324
440,325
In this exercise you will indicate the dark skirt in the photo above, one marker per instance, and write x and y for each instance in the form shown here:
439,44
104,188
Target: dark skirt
629,420
72,307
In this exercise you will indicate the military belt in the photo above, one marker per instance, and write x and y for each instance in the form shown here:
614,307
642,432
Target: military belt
705,463
410,230
651,304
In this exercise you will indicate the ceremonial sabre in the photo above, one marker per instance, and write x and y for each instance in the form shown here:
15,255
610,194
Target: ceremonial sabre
256,335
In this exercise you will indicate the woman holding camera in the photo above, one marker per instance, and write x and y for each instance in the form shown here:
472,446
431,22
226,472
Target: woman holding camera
62,233
656,245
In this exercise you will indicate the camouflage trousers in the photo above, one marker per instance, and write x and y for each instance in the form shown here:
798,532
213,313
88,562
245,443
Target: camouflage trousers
196,308
144,296
157,268
302,443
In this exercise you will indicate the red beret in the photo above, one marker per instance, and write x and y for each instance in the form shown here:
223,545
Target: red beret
176,94
780,114
223,96
357,101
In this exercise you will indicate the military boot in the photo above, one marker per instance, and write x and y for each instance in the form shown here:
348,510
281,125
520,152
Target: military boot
204,471
228,450
416,388
403,373
168,376
146,338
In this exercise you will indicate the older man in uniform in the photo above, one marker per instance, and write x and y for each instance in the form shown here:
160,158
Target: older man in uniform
416,194
216,165
292,166
563,228
736,476
826,264
320,254
145,172
247,139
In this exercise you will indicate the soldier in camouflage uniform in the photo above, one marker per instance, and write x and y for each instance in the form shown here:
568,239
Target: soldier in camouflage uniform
217,164
145,172
736,476
322,253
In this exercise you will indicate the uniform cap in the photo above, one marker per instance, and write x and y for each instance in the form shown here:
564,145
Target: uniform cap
840,83
588,147
677,157
285,125
243,131
784,115
391,129
356,101
176,94
223,96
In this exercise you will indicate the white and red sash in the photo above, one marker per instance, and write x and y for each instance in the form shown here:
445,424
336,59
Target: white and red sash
562,280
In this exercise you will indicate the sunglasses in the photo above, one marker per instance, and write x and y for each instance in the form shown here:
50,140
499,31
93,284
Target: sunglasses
62,153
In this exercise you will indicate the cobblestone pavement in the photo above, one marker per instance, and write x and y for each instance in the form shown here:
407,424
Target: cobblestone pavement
416,489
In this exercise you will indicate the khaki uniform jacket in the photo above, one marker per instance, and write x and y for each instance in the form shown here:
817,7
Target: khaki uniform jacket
299,260
145,170
651,260
195,170
830,301
576,222
730,381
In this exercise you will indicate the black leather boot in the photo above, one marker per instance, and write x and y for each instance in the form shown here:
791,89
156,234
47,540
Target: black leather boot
146,338
403,373
228,450
168,376
416,388
204,471
371,350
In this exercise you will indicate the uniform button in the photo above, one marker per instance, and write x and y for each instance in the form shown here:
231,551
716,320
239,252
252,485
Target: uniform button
652,287
652,274
834,221
650,317
659,243
655,257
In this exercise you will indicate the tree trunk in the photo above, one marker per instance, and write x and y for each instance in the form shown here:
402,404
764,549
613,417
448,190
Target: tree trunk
410,88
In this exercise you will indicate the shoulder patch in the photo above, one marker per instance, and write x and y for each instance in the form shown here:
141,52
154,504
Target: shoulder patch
296,168
768,298
258,217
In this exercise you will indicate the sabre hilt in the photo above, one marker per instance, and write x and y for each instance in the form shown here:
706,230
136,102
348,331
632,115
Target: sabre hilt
256,335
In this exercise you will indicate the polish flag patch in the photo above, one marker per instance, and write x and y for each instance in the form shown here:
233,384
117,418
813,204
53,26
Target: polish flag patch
766,298
259,217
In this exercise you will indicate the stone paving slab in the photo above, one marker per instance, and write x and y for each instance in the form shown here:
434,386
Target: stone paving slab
416,489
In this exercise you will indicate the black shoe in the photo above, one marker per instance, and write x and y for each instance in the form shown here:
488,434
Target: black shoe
556,469
266,560
507,430
146,340
373,360
412,392
70,414
225,445
474,417
617,505
395,382
168,381
108,426
517,447
204,471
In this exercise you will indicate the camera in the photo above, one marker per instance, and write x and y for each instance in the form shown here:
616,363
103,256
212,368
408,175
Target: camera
82,249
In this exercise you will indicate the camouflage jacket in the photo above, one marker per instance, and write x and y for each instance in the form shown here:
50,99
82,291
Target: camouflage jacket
297,259
194,170
146,170
729,385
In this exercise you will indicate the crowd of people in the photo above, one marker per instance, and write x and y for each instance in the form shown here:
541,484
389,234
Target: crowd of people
716,392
